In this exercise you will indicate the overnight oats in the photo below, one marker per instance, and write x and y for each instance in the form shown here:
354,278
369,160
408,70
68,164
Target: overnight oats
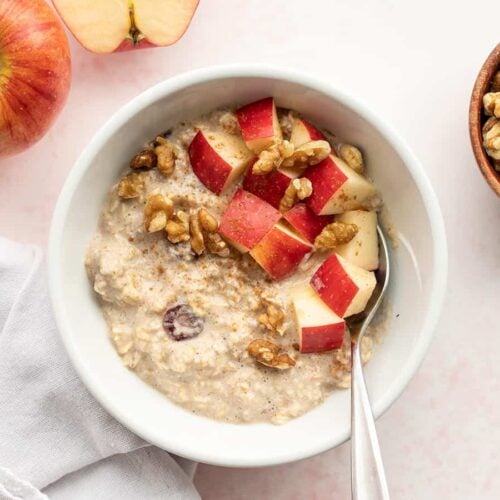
228,258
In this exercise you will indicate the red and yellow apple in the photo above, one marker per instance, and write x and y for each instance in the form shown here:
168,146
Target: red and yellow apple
344,287
280,251
303,132
270,187
246,220
336,187
218,159
259,124
320,329
35,72
306,222
104,26
362,250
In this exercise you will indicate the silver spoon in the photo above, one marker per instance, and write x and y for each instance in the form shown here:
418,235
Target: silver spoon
367,468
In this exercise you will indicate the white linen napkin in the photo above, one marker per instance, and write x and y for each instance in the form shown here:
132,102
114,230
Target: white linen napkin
56,441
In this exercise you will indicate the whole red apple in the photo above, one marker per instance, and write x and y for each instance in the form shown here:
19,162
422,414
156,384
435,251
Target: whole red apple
35,72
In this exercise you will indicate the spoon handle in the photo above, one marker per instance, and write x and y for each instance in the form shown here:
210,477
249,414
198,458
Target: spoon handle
367,469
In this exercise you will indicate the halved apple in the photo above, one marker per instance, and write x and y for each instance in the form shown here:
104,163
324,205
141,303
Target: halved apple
280,251
362,250
336,187
218,159
104,26
270,187
306,222
320,329
246,220
259,124
303,131
344,287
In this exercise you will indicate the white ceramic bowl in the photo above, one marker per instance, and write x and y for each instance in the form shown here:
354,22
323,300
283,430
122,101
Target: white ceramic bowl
416,291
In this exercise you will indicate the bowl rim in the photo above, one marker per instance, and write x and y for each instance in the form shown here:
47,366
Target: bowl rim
490,65
249,70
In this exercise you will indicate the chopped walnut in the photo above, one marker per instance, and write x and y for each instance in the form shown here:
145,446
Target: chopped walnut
145,159
203,229
335,234
495,83
274,317
270,159
208,221
216,245
177,227
229,123
298,189
268,354
197,241
352,156
165,153
491,137
131,186
156,212
309,153
491,103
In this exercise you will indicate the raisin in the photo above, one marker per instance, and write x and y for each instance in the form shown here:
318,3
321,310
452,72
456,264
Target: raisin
181,323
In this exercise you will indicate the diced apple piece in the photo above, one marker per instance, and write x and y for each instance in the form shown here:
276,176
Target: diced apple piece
270,187
218,159
344,287
362,250
246,220
280,251
336,187
259,124
303,131
306,222
320,329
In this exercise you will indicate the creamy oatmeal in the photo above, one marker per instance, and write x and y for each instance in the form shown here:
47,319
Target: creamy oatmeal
221,297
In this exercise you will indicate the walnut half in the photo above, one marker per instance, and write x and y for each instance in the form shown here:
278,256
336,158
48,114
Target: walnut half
298,189
131,186
274,317
268,354
352,156
335,234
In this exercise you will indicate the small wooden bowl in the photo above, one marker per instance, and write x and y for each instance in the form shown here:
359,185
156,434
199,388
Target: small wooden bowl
477,119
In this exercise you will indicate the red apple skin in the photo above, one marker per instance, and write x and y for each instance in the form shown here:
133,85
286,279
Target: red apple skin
279,254
247,219
270,187
35,72
326,178
209,167
334,285
256,120
322,338
127,45
306,222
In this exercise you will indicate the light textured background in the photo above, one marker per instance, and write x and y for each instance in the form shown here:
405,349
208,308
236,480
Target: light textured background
414,63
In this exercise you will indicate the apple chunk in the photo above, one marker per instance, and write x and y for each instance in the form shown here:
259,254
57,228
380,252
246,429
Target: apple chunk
259,124
303,131
218,159
270,187
320,329
336,187
306,222
280,251
362,250
344,287
246,220
104,26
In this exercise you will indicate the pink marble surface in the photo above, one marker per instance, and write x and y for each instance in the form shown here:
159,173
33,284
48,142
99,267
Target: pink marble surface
414,63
